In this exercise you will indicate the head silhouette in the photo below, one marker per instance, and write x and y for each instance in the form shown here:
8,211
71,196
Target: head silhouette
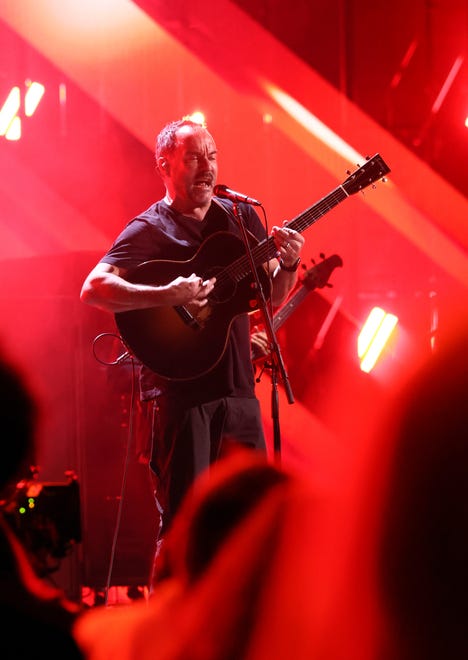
18,414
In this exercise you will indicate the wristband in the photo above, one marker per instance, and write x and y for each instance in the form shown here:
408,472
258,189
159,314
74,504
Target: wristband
290,269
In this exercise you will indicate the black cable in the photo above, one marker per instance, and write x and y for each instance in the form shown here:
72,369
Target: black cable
125,357
124,483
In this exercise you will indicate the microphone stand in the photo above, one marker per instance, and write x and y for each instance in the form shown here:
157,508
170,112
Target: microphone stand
277,363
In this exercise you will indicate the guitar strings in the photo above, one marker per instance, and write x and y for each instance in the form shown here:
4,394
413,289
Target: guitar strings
265,250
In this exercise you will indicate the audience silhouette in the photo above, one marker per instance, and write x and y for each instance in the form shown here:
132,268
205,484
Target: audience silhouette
246,574
407,576
423,550
234,586
36,618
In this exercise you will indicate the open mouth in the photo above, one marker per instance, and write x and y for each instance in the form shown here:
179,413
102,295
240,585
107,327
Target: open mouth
203,184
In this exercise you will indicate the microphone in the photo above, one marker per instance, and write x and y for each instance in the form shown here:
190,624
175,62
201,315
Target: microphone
227,193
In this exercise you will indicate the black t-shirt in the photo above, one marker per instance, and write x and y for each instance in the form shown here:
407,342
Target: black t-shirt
160,232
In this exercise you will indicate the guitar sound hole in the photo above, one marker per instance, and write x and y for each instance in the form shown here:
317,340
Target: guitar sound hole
224,288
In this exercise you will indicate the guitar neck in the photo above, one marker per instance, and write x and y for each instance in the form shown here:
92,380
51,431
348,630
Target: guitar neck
288,308
372,170
266,249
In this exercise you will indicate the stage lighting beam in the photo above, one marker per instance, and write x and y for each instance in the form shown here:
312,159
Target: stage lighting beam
374,336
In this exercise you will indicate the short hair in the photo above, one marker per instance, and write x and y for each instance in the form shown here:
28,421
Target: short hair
166,141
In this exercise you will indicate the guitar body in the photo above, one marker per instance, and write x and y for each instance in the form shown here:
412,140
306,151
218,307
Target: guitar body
178,343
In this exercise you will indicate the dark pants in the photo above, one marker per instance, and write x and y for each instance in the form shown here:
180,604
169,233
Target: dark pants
186,441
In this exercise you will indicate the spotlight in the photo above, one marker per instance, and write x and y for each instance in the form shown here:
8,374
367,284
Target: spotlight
198,117
10,119
374,336
34,93
8,114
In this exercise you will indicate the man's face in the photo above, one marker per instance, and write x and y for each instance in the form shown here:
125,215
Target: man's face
190,171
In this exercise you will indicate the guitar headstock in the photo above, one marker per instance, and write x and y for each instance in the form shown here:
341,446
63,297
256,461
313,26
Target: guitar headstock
317,277
374,168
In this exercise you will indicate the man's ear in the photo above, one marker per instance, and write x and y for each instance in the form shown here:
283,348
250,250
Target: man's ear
163,166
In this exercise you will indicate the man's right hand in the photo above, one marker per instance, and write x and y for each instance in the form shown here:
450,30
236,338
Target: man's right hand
106,288
191,290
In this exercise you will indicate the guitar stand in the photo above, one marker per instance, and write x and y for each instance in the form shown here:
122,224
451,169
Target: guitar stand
277,363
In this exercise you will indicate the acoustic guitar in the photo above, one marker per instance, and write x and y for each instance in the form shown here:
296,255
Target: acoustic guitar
179,343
